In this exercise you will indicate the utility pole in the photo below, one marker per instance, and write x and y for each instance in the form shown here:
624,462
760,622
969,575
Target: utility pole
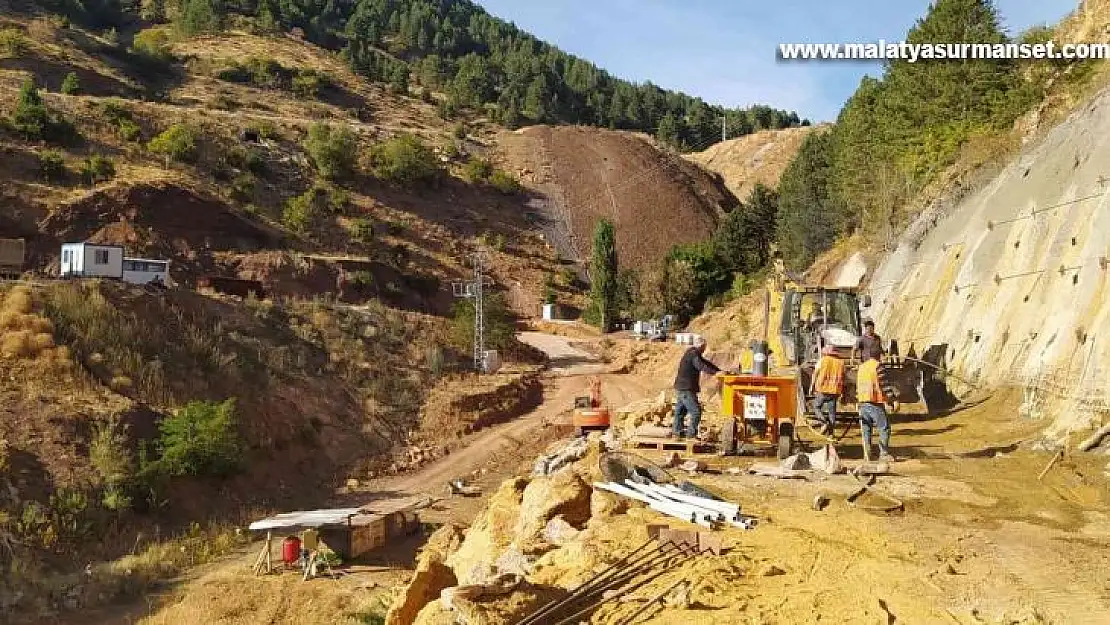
475,289
724,128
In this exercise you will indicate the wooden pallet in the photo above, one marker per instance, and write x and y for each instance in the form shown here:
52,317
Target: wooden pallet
662,443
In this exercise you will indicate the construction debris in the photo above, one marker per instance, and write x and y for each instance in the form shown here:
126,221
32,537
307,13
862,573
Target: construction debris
459,487
693,466
550,463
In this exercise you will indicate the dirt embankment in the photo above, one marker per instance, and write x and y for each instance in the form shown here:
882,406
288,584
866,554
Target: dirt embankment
758,158
458,406
655,199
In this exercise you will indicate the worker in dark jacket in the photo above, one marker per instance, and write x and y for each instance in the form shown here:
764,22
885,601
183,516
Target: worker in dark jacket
687,383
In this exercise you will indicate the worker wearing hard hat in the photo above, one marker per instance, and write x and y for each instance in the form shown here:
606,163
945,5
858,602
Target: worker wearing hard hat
826,386
872,404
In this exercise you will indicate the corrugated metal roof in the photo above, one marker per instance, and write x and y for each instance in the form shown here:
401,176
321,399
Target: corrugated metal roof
339,516
306,518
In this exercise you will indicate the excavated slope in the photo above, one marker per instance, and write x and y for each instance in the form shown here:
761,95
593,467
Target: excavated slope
758,158
1008,285
655,199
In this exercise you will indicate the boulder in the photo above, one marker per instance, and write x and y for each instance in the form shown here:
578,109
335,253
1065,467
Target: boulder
564,494
431,577
435,613
604,504
490,534
559,532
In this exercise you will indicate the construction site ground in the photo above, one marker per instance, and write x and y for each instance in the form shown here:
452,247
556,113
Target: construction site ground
981,538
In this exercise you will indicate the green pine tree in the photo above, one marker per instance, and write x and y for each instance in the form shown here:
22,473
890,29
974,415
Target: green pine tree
70,84
603,274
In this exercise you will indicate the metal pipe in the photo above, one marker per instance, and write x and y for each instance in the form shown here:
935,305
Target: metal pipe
678,511
724,506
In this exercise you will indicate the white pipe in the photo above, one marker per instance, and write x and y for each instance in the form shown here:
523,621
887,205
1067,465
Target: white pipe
654,492
725,507
676,510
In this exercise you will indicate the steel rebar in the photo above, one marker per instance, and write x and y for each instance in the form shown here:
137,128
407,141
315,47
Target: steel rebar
602,600
598,585
581,588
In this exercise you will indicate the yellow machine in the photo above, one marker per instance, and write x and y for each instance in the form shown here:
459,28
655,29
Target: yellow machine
589,413
801,320
763,411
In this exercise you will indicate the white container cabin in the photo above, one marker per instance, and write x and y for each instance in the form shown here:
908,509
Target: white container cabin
145,270
91,260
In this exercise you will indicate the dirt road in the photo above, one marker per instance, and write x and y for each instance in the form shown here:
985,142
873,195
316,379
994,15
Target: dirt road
523,438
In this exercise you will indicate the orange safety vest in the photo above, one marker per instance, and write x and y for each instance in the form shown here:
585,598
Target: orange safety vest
868,388
829,376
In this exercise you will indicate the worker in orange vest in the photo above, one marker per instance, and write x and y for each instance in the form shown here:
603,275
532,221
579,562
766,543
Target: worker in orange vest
827,385
872,404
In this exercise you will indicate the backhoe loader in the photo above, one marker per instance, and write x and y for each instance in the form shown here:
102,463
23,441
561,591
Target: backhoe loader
801,320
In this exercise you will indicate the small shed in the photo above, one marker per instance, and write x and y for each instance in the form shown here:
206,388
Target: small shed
145,270
351,532
91,260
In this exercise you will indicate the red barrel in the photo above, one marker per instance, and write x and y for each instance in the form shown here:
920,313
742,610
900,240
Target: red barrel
291,549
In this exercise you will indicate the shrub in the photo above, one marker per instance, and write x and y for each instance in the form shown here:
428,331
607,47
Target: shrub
52,165
499,330
265,73
13,42
333,150
459,131
404,159
434,360
152,46
178,143
504,182
129,130
549,294
477,170
249,159
200,439
308,83
362,230
264,130
70,84
362,279
242,187
108,453
97,168
300,212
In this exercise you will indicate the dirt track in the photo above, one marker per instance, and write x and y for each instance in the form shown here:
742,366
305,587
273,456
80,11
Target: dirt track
519,440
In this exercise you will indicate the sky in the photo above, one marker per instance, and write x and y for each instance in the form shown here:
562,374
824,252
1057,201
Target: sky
725,51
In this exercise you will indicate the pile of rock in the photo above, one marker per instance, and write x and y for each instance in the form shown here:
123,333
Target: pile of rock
479,576
655,411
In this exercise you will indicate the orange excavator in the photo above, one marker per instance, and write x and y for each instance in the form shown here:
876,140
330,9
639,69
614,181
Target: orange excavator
589,413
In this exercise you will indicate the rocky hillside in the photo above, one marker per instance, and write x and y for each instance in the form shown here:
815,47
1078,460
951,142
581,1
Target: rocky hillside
758,158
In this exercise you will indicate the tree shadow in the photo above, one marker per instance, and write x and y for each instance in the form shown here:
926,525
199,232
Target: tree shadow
50,74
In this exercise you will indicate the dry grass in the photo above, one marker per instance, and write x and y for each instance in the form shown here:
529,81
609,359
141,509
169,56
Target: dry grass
130,576
27,336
